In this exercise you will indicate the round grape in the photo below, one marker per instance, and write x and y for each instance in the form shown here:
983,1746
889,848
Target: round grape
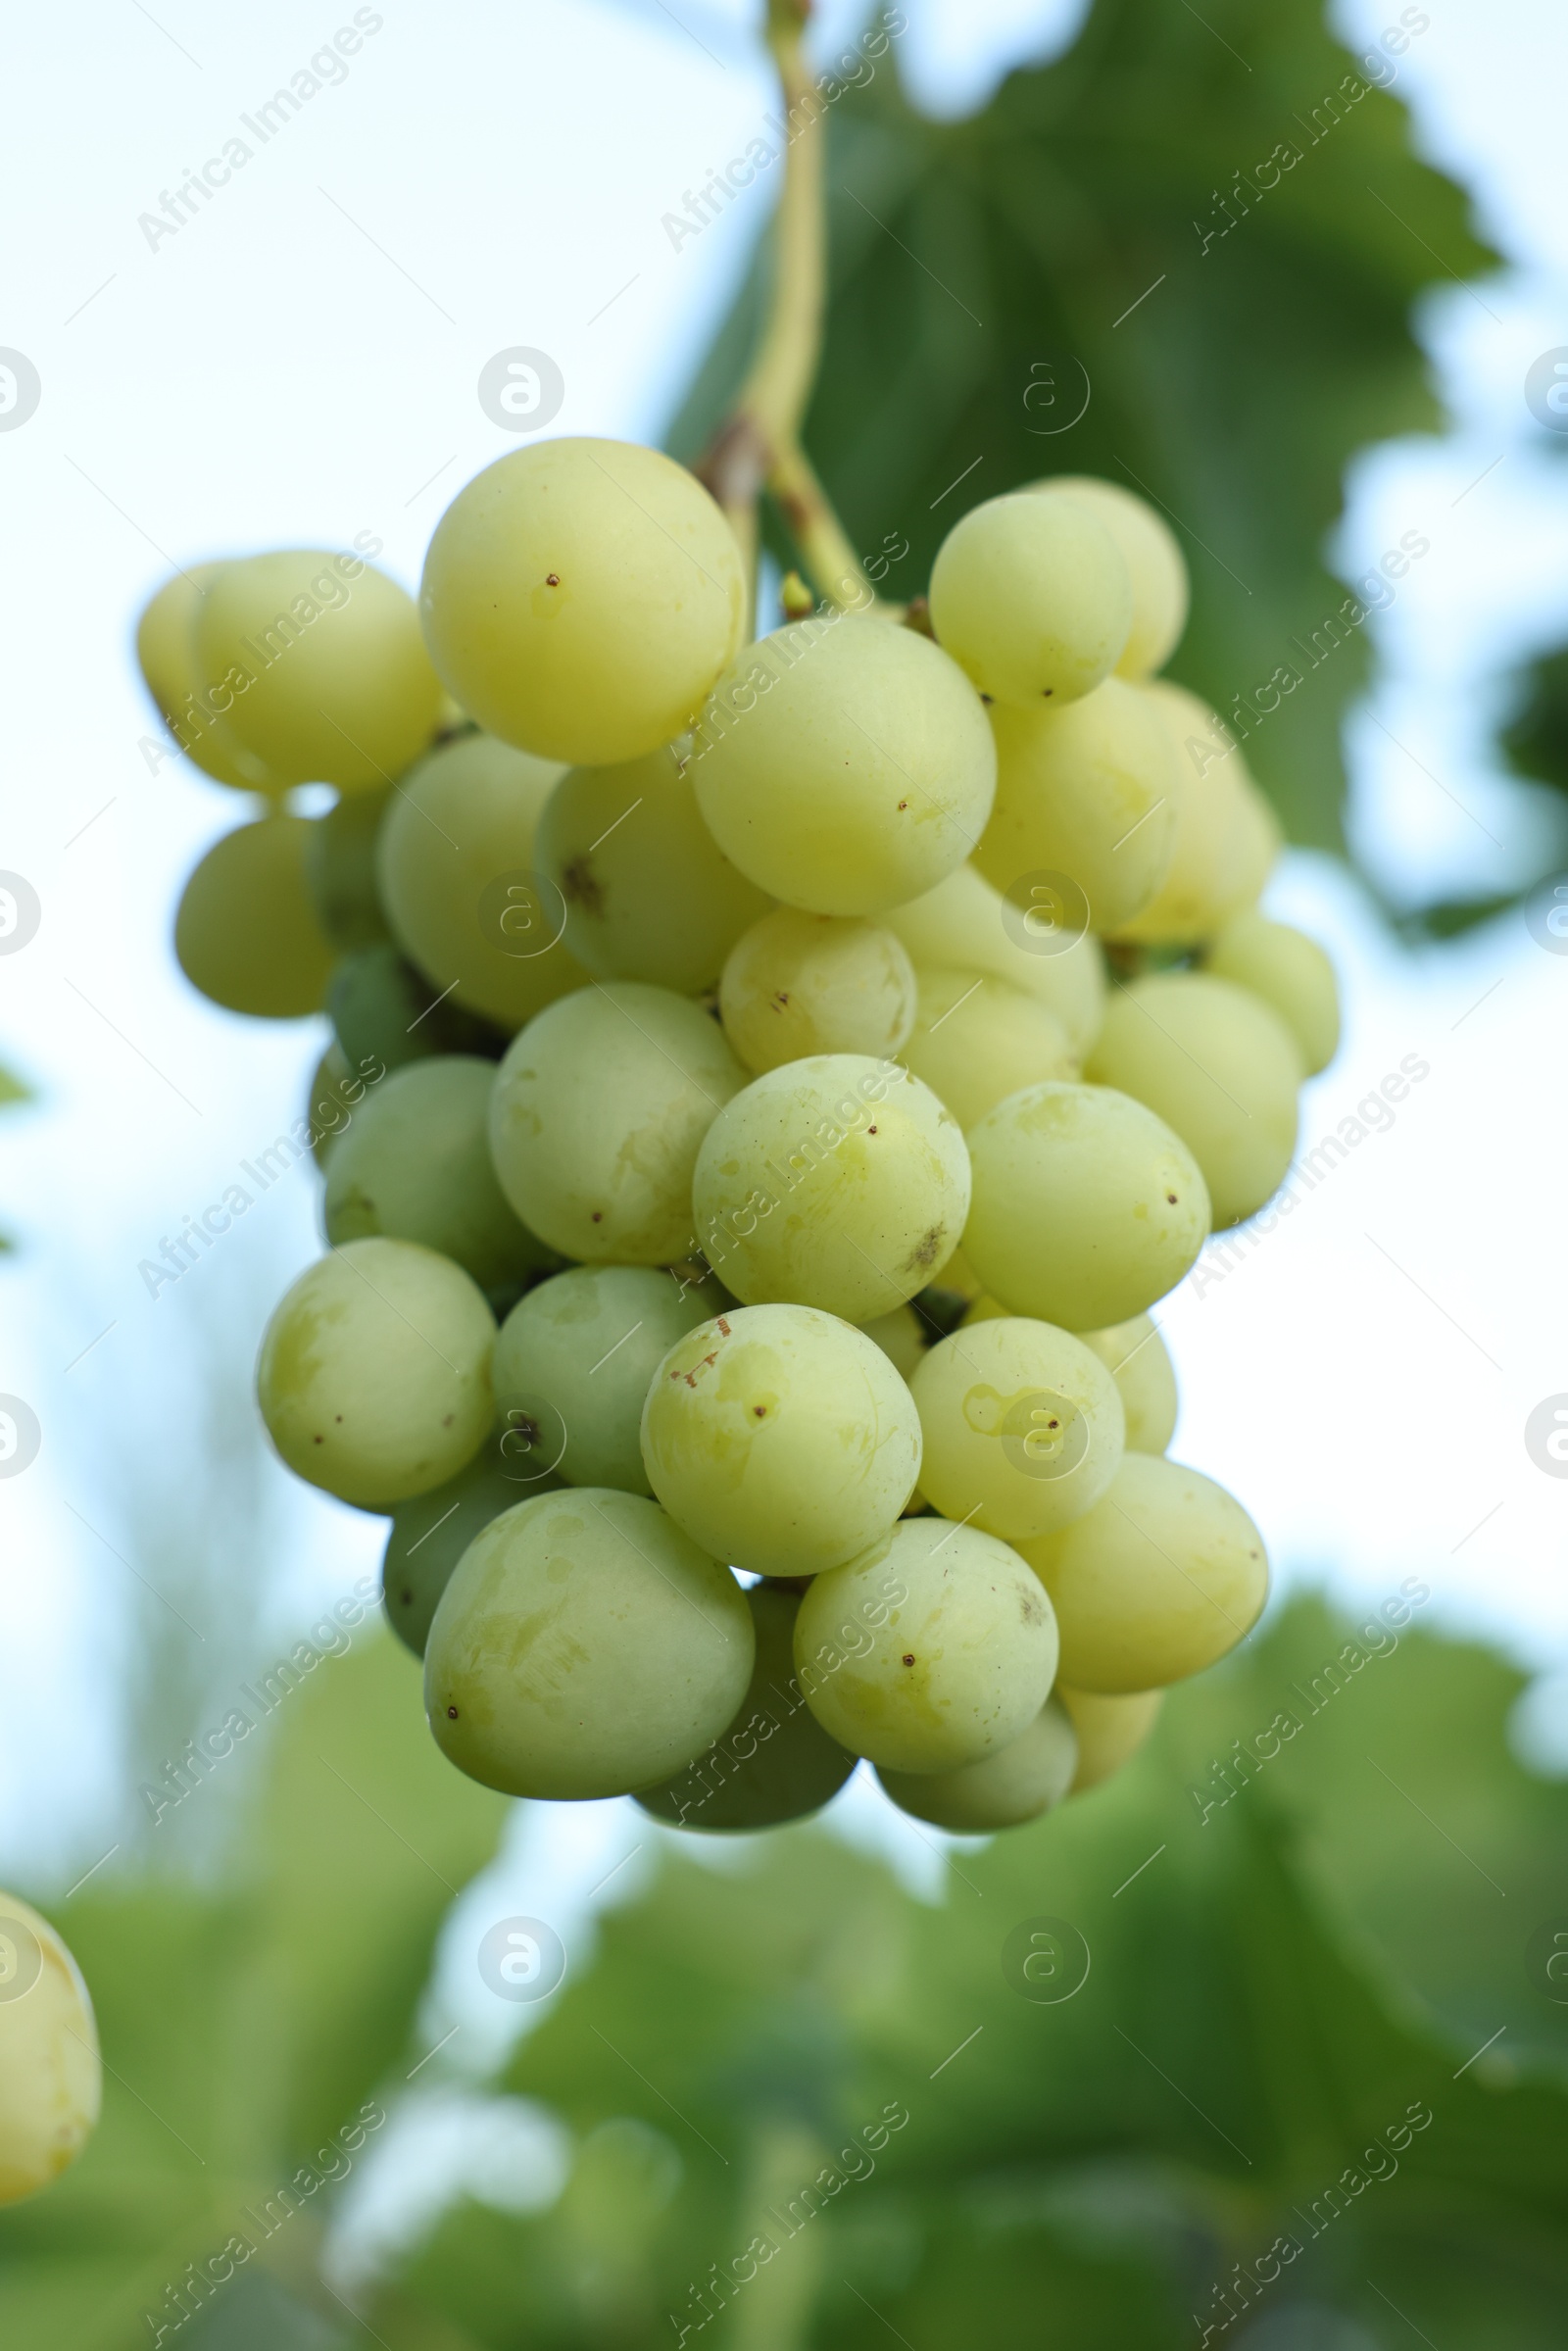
1032,598
246,932
796,985
1021,1425
1023,1780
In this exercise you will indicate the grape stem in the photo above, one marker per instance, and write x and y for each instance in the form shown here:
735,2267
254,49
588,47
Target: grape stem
759,446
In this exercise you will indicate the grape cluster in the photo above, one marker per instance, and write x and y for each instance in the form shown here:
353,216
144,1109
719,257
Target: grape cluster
771,1084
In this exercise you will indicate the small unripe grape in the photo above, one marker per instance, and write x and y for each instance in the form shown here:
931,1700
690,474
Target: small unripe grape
1110,1730
976,1040
1022,1427
429,1535
1023,1780
1032,598
1291,972
166,649
1155,561
51,2076
387,1014
246,932
964,926
797,984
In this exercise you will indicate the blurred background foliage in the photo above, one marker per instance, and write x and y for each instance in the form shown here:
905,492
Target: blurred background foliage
1276,1984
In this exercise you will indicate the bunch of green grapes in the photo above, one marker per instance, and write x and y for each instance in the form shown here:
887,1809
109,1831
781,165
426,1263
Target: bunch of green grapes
771,1087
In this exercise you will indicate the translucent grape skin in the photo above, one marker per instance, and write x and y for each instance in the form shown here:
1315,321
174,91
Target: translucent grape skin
166,652
1110,1731
246,932
580,596
340,870
1032,598
600,1108
416,1165
584,1646
963,925
930,1653
429,1535
836,1182
796,985
1226,836
1086,789
1022,1427
51,2075
1159,1580
328,673
1156,566
773,1761
845,764
1290,973
1129,1211
374,1372
458,872
976,1040
1219,1066
649,893
1023,1780
1136,1359
577,1355
781,1439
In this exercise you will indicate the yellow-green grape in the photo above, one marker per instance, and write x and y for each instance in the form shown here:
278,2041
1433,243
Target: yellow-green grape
51,2076
460,880
1110,1731
1032,598
340,870
580,596
977,1039
781,1439
1226,835
963,925
837,1182
1220,1067
429,1535
166,652
374,1372
1025,1779
416,1165
927,1653
845,764
773,1762
1139,1361
600,1108
1155,562
1086,1208
1159,1580
246,931
331,678
387,1014
1021,1425
1291,972
1085,790
902,1337
584,1646
803,984
649,893
575,1358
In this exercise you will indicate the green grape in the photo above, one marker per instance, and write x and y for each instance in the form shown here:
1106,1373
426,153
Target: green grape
1021,1425
166,651
773,1761
963,925
374,1372
1085,790
415,1166
459,880
1032,598
246,932
576,1355
1139,1361
976,1040
781,1439
429,1535
584,1646
902,1337
837,1182
1110,1731
51,2075
336,1092
845,764
1159,1580
799,984
386,1013
929,1651
1220,1067
600,1108
1127,1216
1029,1776
580,596
649,893
331,683
1290,973
1226,838
340,870
1155,562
